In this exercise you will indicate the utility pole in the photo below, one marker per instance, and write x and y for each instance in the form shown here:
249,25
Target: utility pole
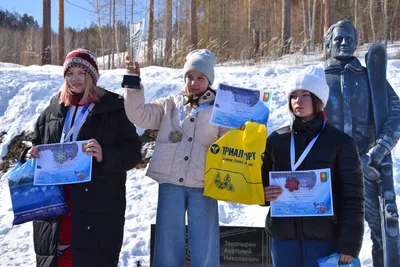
60,32
46,33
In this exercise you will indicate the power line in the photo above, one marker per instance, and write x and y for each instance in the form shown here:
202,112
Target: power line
105,14
72,4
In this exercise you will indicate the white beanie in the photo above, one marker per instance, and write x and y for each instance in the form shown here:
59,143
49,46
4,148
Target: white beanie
202,60
312,79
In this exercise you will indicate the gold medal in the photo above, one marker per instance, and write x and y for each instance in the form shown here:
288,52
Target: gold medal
175,136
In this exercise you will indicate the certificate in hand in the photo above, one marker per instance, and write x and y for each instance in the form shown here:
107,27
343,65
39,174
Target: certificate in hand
65,163
305,193
234,106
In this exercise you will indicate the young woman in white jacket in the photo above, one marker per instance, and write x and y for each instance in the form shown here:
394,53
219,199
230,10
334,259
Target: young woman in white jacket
178,162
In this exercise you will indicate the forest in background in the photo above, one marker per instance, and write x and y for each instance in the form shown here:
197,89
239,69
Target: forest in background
240,30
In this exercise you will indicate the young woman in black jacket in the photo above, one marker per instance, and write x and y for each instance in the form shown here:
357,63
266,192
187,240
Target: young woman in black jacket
91,235
302,240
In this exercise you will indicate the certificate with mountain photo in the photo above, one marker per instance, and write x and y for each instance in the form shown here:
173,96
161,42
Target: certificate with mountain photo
65,163
305,193
234,106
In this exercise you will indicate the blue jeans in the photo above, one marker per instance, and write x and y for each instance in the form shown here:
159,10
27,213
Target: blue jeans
299,253
203,227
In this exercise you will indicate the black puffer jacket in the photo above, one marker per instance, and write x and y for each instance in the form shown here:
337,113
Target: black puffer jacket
98,206
337,151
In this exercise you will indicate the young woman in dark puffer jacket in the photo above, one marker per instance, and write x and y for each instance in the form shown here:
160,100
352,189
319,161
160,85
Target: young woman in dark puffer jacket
91,235
301,241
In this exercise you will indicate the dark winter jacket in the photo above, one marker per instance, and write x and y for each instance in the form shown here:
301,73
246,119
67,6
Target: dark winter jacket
98,206
337,151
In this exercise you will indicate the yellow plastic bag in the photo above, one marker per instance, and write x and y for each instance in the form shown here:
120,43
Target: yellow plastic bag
233,166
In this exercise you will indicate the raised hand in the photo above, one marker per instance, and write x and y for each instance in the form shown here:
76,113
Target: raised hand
130,69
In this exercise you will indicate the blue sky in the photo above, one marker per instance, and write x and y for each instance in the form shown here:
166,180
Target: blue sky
76,12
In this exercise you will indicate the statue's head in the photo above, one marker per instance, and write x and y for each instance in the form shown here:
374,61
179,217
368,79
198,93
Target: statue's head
341,40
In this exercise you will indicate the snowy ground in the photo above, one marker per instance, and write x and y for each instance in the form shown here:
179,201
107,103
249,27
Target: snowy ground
25,91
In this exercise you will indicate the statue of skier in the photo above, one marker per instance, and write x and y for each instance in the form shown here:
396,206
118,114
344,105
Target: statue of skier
364,105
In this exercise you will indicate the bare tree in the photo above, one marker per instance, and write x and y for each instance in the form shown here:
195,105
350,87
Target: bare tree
392,23
371,16
385,20
208,18
222,31
110,37
312,29
255,33
285,46
168,31
250,20
150,33
193,24
232,28
114,43
98,7
356,18
361,20
309,20
256,46
304,26
127,30
329,13
133,3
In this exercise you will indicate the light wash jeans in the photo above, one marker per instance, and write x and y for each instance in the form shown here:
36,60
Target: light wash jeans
299,253
203,227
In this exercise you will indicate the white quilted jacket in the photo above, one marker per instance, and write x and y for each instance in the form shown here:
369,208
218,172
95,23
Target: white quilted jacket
180,163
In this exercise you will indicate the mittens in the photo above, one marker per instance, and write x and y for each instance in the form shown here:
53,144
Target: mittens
377,153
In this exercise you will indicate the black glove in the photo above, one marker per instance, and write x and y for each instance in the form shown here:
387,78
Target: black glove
370,172
377,153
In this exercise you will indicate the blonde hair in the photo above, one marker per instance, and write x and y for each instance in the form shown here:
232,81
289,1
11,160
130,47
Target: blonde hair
92,92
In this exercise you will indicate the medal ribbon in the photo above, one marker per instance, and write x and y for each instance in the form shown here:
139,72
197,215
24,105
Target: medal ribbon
80,119
197,110
294,164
